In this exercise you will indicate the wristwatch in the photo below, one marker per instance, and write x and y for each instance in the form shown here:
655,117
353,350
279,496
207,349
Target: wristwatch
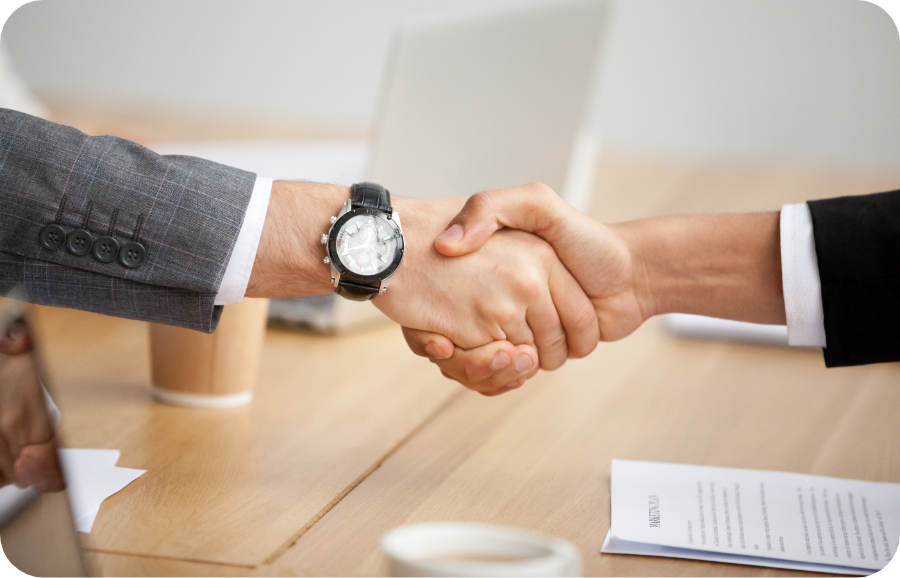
364,244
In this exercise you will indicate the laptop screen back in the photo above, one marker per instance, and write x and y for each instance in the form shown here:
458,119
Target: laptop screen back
37,531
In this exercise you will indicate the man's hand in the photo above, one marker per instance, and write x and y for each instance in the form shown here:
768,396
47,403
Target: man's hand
598,257
28,454
514,289
724,266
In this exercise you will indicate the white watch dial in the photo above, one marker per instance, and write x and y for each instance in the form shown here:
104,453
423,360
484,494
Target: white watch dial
367,244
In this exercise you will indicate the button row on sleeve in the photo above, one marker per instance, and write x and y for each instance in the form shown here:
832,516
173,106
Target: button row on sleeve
105,249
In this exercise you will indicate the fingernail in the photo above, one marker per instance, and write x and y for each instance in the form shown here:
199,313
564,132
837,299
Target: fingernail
432,350
501,360
452,234
523,362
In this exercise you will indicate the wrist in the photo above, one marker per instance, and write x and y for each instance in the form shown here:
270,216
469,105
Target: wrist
726,266
289,260
647,280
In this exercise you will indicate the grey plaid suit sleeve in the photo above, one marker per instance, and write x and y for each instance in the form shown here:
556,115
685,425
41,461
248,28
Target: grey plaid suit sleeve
186,212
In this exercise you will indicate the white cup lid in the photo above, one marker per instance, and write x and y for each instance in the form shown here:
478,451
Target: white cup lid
458,549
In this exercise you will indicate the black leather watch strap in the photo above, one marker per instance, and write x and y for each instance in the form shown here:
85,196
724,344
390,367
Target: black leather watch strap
355,291
370,196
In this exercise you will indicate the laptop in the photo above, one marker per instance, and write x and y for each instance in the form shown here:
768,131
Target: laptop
37,531
492,98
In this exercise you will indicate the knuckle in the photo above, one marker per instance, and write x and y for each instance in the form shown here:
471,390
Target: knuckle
538,188
481,202
12,422
531,288
584,322
504,314
556,342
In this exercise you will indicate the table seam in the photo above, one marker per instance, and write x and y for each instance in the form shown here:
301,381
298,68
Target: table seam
292,541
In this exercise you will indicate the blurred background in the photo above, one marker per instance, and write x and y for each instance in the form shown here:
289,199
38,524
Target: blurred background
788,82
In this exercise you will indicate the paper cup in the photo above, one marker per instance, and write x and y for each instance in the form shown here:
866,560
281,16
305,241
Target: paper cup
455,549
217,370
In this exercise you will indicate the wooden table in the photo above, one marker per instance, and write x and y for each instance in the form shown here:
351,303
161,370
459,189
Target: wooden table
351,436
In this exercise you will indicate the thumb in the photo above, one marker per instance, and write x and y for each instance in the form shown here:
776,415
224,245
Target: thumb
470,228
533,208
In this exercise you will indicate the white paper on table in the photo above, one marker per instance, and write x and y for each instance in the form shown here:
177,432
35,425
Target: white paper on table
91,477
684,324
757,517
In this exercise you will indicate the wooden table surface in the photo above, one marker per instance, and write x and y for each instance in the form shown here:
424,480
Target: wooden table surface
351,436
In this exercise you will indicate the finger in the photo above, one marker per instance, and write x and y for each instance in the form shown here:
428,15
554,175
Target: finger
549,335
426,344
38,466
533,208
516,329
503,379
575,310
16,339
479,369
511,387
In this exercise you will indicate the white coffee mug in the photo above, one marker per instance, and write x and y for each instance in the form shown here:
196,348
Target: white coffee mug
457,549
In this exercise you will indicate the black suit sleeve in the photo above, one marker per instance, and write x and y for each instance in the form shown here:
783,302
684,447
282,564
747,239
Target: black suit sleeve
858,252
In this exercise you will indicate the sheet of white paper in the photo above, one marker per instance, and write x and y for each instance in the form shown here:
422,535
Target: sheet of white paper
613,546
91,477
336,162
711,328
116,479
729,514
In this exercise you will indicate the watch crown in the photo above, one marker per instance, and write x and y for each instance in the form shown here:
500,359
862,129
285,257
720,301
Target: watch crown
326,260
333,220
324,238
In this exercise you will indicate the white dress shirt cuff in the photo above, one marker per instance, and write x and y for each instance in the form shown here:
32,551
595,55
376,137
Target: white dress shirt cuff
237,273
800,278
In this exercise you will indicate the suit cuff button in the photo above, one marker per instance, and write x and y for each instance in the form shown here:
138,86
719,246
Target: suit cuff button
52,237
132,255
105,249
79,242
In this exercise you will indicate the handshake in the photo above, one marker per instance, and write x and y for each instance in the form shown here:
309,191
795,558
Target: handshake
495,287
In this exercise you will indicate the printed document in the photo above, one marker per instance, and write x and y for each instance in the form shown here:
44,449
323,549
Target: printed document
757,517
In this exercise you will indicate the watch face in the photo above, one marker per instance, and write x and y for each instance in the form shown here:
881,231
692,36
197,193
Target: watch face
367,244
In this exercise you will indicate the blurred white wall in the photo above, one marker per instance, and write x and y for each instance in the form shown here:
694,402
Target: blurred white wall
789,81
794,81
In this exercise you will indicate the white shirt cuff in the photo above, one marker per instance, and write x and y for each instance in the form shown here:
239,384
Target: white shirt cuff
237,273
800,278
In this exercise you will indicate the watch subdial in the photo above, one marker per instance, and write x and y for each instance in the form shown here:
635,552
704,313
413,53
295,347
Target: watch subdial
367,234
363,258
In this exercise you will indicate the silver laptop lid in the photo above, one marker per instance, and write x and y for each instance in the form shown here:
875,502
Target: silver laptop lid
491,99
37,530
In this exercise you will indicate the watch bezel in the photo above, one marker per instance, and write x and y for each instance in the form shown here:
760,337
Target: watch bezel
347,274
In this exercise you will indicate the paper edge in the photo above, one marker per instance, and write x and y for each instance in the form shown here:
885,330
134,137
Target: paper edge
613,545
